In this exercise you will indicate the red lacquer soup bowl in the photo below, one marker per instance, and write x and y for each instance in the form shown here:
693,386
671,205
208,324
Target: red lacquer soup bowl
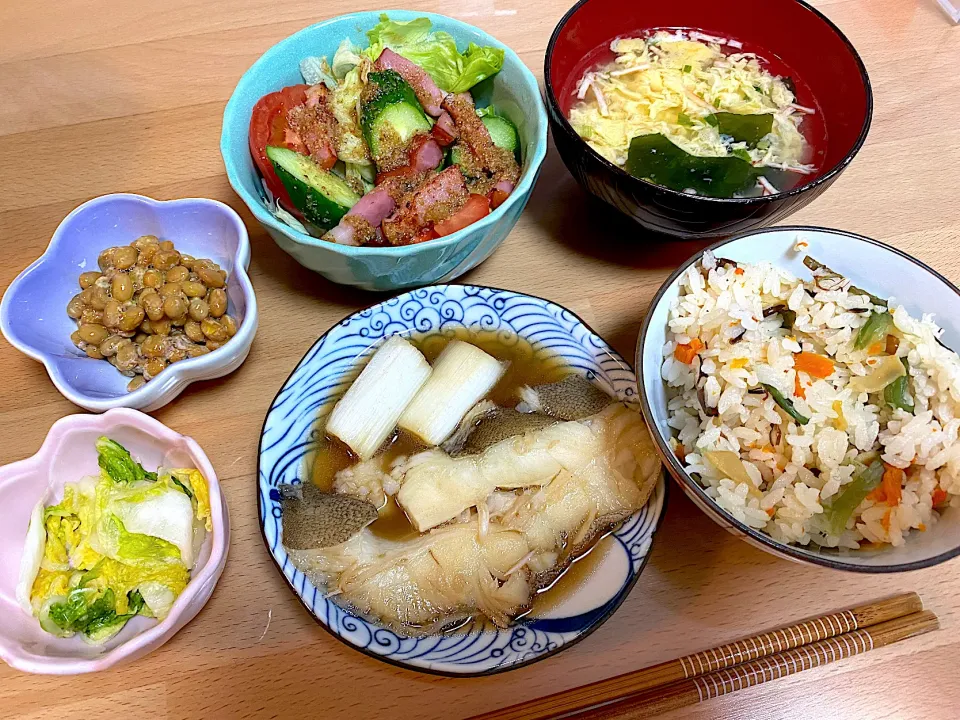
793,40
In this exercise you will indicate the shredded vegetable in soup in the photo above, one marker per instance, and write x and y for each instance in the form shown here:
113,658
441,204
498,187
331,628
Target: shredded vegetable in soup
695,113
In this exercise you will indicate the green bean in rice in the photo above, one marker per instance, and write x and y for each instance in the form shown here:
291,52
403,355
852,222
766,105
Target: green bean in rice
811,457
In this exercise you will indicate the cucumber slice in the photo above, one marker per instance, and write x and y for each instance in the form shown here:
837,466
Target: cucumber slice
503,133
392,112
456,155
321,196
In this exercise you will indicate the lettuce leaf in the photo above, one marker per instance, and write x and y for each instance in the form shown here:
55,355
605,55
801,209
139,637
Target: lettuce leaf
392,34
97,615
436,53
345,59
117,463
315,70
344,101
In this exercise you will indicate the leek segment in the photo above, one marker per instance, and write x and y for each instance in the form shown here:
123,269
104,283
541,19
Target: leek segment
462,375
368,412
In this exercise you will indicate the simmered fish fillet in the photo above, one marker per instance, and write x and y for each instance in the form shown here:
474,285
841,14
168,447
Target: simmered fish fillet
581,478
439,487
438,578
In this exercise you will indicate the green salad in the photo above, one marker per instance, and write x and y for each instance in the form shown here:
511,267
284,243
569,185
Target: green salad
116,546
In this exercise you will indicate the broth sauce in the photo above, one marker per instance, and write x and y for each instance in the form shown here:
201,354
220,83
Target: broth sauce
527,366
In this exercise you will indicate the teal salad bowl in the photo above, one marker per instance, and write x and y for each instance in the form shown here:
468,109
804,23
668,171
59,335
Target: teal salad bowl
514,91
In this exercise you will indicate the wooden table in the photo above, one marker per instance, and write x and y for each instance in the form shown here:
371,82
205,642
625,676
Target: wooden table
127,96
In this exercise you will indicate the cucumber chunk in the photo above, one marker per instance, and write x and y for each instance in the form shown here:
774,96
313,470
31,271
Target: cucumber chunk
321,196
503,133
391,113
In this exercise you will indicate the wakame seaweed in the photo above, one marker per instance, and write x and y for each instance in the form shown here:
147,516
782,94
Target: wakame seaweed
744,128
657,159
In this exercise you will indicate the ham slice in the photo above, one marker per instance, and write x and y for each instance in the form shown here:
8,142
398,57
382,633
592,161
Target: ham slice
435,200
423,155
426,156
445,130
373,208
429,95
499,165
342,234
315,126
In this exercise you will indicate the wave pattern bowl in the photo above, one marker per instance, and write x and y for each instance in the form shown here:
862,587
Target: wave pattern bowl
33,314
790,30
514,90
869,264
67,454
290,432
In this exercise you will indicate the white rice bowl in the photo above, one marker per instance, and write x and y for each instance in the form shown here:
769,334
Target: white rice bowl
794,472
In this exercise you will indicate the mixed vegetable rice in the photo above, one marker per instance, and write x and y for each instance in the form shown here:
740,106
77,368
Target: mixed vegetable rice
810,409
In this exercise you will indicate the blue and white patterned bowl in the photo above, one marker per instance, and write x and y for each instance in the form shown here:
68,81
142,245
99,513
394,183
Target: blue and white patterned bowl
289,433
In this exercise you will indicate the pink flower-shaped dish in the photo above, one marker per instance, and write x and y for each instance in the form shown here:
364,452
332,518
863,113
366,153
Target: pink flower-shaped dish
67,454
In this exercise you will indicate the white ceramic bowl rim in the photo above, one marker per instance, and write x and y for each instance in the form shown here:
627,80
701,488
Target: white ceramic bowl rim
676,469
522,189
209,573
179,375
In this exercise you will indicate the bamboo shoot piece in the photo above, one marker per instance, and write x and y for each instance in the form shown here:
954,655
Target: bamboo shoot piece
462,375
368,412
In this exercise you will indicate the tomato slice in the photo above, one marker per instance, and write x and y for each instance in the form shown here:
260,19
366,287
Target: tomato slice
424,235
268,126
497,198
477,207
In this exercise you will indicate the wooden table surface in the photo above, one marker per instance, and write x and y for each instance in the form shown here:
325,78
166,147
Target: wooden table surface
109,96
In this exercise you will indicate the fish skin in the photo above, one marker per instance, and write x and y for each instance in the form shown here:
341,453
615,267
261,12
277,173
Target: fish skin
315,519
500,424
426,584
572,398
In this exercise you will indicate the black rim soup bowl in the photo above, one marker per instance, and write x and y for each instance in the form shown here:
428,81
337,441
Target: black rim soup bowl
789,33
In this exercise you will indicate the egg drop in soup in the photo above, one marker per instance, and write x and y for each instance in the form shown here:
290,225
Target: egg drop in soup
702,115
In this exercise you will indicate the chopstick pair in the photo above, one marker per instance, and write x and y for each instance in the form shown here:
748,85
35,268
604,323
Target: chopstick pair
718,671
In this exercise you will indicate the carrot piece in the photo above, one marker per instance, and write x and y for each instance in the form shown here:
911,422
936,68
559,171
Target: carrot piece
890,488
892,484
938,497
738,271
921,527
877,348
686,352
885,520
817,366
681,452
798,388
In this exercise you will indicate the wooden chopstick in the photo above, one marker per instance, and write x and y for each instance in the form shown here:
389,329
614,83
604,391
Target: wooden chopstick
690,692
752,648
